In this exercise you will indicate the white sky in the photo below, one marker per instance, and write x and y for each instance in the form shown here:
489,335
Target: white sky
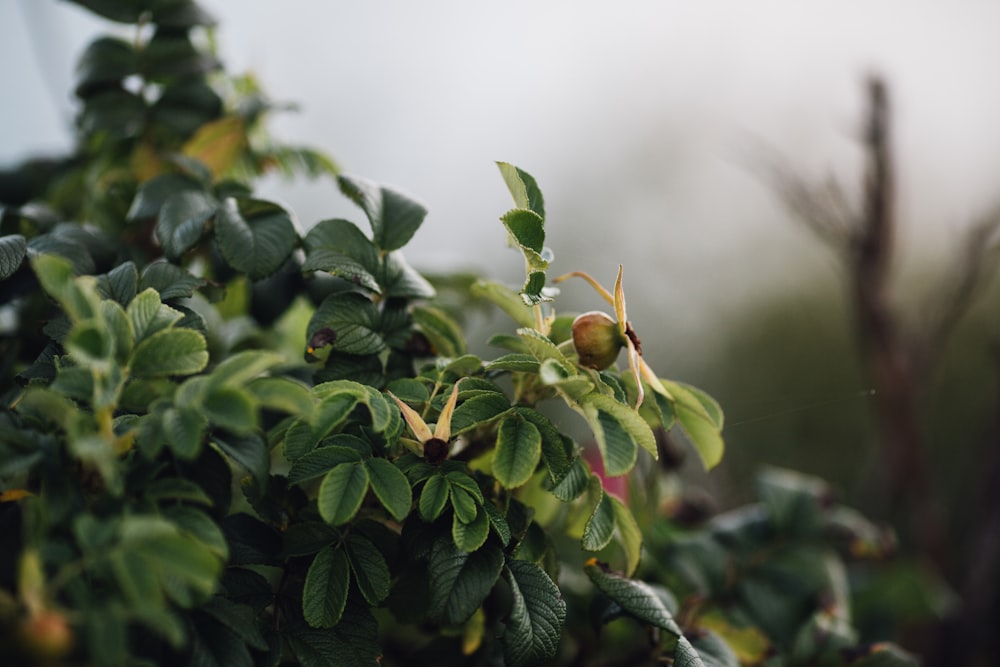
633,116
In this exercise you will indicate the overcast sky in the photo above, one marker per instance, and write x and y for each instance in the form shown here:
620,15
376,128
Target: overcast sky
634,117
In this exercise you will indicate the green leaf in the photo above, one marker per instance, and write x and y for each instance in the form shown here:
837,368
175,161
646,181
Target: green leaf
169,352
628,532
523,188
152,194
557,452
403,281
119,113
231,408
351,643
120,284
176,488
701,424
528,230
797,504
320,461
514,362
254,236
56,277
536,617
390,486
574,483
107,60
635,597
394,217
249,450
341,492
149,316
239,618
600,527
352,321
433,497
470,535
464,504
441,330
370,569
181,222
13,249
184,430
170,280
478,410
618,430
341,238
324,595
341,266
460,581
518,449
282,394
238,369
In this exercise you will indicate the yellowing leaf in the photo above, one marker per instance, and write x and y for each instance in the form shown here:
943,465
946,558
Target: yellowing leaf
219,144
146,163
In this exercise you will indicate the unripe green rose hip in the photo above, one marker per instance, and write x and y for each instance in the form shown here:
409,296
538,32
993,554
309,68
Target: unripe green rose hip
597,339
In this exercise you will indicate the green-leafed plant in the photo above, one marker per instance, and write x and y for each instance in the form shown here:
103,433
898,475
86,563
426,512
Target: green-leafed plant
226,443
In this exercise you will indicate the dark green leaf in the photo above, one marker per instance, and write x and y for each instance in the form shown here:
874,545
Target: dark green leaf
478,410
181,222
460,581
352,643
523,188
171,55
184,430
106,61
117,112
152,194
434,497
240,619
441,330
325,593
394,217
518,449
341,492
249,450
306,538
254,236
370,569
320,461
13,249
341,266
170,280
536,618
403,281
231,408
635,597
390,486
343,238
600,527
470,535
354,321
121,284
123,11
464,504
176,488
574,483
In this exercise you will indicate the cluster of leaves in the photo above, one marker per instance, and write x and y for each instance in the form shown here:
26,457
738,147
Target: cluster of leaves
214,440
